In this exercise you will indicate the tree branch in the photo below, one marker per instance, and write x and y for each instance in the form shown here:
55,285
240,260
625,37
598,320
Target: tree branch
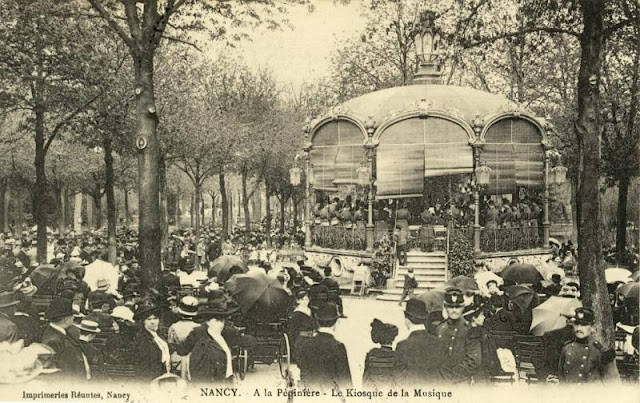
494,38
66,120
178,40
112,22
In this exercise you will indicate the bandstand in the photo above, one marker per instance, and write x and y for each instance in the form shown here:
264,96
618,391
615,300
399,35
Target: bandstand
387,149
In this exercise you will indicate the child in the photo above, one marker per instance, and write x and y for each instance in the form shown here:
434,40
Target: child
410,283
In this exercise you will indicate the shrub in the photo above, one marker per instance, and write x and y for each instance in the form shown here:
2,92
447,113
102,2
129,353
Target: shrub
460,255
382,263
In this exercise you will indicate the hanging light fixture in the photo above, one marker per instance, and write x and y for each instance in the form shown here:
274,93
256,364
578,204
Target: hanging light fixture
483,174
295,175
310,174
558,174
363,174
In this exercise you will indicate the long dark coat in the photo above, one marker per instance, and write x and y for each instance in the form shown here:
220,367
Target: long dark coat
323,362
148,357
68,354
418,358
299,322
208,361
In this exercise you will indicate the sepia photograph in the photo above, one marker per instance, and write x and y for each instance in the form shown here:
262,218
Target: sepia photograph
314,201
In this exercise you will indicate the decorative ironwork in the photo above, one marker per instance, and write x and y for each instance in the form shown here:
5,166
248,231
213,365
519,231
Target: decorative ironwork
510,239
339,237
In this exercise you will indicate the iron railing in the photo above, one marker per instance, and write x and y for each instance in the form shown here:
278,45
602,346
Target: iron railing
510,239
339,237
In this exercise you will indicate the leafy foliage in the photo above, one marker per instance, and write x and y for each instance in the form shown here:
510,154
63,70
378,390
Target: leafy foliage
460,255
383,261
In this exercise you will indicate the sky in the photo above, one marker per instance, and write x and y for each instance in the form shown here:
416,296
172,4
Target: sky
303,54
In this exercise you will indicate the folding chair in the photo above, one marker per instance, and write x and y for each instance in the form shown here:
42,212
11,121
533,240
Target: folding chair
529,350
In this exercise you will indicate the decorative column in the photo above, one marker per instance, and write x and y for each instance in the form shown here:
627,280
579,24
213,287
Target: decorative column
477,144
545,202
546,144
370,147
307,190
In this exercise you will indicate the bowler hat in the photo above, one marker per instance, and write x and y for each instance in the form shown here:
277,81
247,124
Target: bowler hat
584,316
59,308
453,297
8,298
327,312
416,309
102,284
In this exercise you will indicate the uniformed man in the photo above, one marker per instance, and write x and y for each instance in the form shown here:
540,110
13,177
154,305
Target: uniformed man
463,350
583,359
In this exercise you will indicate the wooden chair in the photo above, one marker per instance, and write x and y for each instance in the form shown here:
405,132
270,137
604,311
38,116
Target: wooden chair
440,237
41,302
629,370
504,338
529,350
120,371
359,282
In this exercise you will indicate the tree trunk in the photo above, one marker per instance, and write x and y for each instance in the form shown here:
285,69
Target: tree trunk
621,228
164,212
111,200
62,208
224,205
40,203
191,213
295,203
196,208
5,209
127,215
97,200
178,215
588,128
67,208
77,214
89,207
282,213
267,207
213,211
19,211
202,214
3,198
245,206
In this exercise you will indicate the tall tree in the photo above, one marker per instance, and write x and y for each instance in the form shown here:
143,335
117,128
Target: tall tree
46,52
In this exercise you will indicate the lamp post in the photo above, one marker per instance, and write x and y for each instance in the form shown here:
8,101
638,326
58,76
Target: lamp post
482,177
295,178
547,180
370,146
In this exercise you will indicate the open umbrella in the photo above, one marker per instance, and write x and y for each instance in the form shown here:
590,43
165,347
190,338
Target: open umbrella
433,300
629,290
555,241
462,282
520,295
615,274
43,274
552,314
521,273
225,262
635,276
259,296
101,269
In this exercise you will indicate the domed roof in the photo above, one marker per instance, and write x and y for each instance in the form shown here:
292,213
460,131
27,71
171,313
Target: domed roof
461,102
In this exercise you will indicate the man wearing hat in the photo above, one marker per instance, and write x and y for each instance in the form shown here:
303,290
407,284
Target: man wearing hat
419,356
322,359
70,358
463,350
583,359
8,328
211,358
88,331
101,295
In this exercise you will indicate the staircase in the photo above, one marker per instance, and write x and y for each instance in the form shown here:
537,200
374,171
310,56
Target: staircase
430,269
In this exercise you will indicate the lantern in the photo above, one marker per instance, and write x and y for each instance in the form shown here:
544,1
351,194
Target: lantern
427,40
483,173
558,174
295,175
363,174
310,175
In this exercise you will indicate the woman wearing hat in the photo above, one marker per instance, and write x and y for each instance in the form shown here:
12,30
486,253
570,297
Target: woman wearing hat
475,314
383,334
178,332
151,352
301,325
211,357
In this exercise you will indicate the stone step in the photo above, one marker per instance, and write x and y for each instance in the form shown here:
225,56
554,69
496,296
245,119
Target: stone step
424,274
420,266
426,258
